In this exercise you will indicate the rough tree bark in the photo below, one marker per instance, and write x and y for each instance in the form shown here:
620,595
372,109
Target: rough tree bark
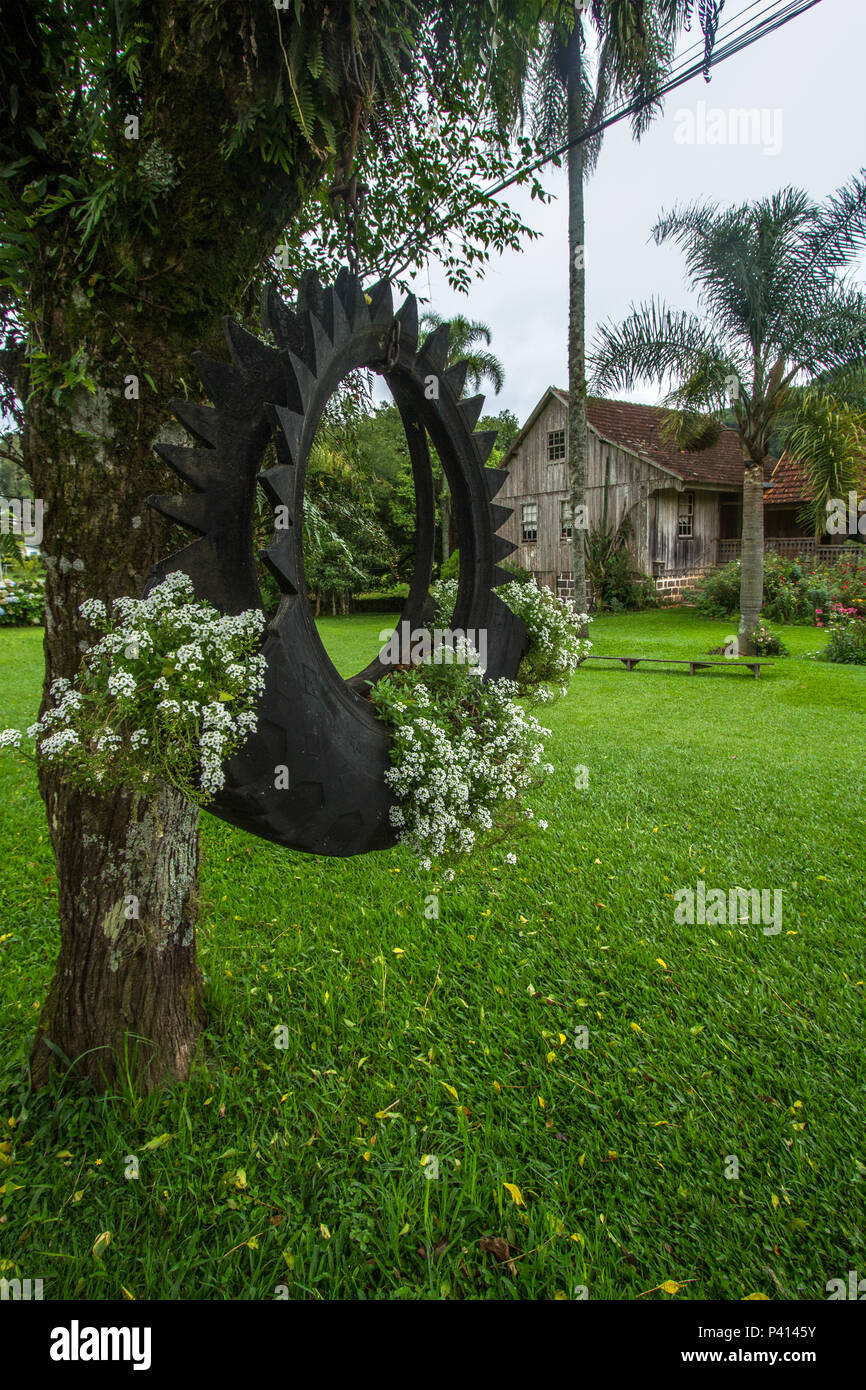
751,556
577,429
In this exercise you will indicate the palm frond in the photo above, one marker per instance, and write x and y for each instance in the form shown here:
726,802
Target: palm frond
828,440
653,344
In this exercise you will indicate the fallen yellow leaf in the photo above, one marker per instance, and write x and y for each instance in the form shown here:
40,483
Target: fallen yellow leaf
101,1244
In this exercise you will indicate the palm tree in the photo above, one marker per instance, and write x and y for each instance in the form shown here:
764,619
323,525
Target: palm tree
636,47
466,334
463,342
775,309
825,430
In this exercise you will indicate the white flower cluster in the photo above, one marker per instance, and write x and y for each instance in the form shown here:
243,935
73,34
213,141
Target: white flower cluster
452,775
169,693
555,647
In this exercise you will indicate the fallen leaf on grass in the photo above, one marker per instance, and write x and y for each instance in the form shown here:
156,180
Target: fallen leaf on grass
500,1250
101,1244
157,1143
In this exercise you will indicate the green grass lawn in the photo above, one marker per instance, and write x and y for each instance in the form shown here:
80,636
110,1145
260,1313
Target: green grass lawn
409,1036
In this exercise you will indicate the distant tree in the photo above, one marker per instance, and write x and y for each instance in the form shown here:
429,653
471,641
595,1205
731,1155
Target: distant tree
775,308
484,366
570,95
466,334
507,428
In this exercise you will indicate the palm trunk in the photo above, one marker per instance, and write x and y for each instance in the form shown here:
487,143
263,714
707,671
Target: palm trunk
751,556
577,430
445,518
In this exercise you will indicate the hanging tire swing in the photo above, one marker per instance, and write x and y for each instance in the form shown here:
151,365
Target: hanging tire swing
312,722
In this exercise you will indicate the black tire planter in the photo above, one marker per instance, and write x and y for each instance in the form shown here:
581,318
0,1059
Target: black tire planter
311,721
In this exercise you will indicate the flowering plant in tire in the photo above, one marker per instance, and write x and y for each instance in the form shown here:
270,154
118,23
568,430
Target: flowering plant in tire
464,753
166,695
556,648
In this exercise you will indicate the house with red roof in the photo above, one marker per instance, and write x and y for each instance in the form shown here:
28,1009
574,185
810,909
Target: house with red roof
684,509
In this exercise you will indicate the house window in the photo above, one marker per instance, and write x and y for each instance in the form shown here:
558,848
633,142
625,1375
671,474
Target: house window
555,446
529,521
686,515
565,515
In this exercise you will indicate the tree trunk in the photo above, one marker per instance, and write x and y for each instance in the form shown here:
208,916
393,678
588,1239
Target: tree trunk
122,307
126,994
577,430
751,556
445,518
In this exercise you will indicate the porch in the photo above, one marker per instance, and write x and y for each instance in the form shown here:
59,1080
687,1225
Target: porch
793,547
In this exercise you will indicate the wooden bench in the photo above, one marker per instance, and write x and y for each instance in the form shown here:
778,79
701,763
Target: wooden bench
629,662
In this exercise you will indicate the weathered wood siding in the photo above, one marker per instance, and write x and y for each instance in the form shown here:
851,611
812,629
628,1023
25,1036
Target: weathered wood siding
634,485
668,549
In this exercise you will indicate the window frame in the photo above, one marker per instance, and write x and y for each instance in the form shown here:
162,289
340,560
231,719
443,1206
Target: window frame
686,519
556,440
528,526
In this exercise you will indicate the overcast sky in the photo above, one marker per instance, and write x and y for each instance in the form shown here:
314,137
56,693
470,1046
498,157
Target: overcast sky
808,80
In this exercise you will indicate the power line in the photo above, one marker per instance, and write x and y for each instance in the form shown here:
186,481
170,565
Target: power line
760,28
790,11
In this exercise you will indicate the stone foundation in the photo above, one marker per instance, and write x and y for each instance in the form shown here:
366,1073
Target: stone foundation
676,588
671,588
565,589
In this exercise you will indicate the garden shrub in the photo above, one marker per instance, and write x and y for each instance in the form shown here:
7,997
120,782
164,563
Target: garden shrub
793,589
22,601
167,694
847,632
767,643
465,751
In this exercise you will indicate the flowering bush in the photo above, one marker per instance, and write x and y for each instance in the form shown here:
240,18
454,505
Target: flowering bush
464,751
793,589
847,631
555,649
767,643
167,695
22,601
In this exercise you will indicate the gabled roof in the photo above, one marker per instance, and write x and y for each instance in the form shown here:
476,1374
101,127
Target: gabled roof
787,483
638,427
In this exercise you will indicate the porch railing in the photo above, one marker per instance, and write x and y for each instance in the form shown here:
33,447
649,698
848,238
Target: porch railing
793,547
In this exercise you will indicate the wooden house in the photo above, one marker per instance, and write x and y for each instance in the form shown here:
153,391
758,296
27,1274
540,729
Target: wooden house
685,508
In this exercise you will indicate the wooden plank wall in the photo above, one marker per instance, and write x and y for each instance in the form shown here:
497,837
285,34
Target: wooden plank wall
633,487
